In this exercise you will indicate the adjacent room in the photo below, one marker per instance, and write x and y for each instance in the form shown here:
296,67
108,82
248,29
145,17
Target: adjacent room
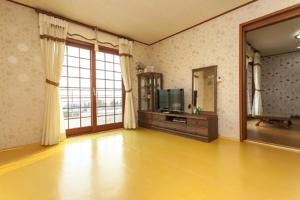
273,84
149,100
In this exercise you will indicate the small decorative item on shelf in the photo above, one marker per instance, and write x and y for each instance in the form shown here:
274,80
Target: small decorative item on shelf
198,110
140,67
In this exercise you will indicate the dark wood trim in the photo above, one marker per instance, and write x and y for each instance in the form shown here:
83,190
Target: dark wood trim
233,9
215,87
117,35
74,21
273,18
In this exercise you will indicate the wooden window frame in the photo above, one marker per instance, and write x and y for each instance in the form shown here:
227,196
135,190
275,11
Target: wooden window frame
94,128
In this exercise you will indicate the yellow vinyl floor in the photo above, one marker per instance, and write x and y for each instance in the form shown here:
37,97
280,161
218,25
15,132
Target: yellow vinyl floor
146,164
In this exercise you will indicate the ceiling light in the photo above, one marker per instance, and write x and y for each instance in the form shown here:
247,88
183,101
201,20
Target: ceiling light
297,36
298,47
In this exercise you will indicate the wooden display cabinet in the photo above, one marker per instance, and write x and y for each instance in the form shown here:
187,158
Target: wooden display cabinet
148,85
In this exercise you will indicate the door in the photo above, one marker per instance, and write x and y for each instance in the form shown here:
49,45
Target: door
91,89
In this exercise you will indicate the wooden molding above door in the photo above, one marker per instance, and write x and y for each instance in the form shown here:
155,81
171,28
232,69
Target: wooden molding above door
273,18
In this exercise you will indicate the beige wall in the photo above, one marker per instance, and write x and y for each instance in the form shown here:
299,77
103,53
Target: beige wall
213,43
22,78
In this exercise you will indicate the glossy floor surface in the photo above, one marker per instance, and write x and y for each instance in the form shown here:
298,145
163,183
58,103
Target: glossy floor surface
272,133
147,164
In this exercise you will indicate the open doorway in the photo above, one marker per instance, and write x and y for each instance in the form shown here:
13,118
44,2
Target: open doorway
270,79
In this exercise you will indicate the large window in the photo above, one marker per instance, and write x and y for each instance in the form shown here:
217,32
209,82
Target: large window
91,89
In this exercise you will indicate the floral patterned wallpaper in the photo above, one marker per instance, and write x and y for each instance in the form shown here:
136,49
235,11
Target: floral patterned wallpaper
281,84
21,77
213,43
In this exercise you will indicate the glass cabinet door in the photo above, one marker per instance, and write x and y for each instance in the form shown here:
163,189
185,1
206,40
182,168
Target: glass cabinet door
146,101
156,88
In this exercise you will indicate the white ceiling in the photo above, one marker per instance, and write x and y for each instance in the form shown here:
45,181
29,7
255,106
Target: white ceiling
277,38
143,20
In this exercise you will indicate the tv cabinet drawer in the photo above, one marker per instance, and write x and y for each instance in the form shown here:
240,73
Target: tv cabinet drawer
197,123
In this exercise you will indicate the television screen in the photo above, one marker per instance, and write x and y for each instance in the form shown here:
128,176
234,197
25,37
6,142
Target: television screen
176,100
163,102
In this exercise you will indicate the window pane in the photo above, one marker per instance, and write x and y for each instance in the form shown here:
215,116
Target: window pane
85,83
86,102
100,74
74,103
85,63
101,111
100,83
73,51
73,72
109,57
74,113
74,93
118,101
100,102
85,73
100,92
100,65
84,53
118,93
86,112
110,119
66,113
87,121
99,56
73,82
74,123
116,59
109,84
109,75
109,66
118,76
118,84
117,68
85,93
109,102
73,62
118,118
101,120
109,93
110,110
64,104
118,110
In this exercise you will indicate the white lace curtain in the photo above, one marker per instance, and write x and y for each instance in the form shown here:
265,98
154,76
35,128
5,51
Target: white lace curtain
126,62
257,108
53,33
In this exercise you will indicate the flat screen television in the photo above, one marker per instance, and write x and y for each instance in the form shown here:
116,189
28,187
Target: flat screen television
171,100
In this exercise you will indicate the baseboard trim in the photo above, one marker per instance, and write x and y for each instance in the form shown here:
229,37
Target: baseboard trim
229,138
19,147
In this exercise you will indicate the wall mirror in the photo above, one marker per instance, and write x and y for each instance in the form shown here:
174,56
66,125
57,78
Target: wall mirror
204,94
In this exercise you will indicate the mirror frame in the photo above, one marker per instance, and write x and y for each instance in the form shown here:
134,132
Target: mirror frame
214,67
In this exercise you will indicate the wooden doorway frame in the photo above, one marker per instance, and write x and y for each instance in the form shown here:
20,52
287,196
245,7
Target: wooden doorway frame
273,18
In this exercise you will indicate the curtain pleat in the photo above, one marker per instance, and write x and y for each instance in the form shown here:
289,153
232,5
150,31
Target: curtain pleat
53,34
126,62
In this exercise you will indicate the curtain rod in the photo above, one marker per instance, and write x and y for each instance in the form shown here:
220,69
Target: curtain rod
74,21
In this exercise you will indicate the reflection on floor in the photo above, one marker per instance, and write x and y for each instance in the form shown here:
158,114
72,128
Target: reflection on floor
274,134
147,164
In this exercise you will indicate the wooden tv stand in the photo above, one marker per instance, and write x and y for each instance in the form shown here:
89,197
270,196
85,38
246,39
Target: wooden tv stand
202,127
